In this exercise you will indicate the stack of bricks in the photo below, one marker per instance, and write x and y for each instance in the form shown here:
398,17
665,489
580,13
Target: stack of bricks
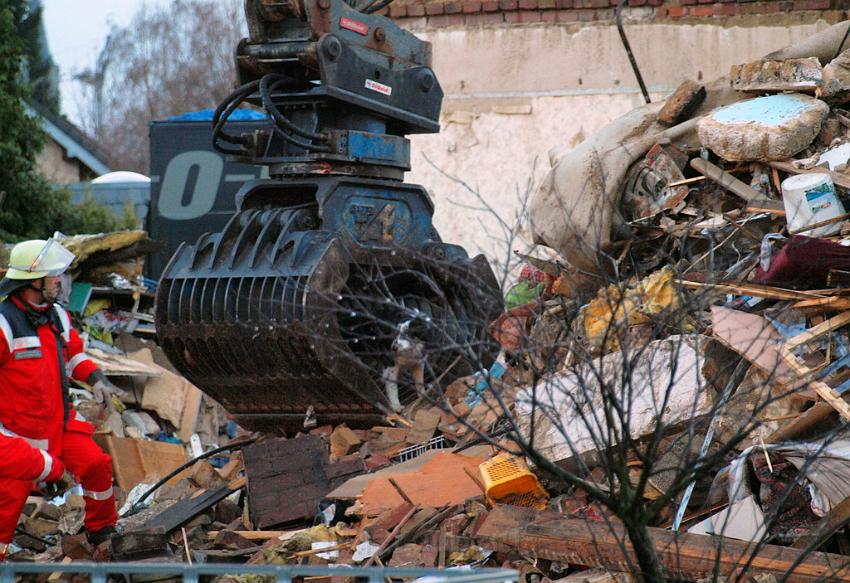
471,13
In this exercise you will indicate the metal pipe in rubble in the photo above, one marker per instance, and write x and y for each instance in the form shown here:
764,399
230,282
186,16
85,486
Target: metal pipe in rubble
235,446
735,379
628,48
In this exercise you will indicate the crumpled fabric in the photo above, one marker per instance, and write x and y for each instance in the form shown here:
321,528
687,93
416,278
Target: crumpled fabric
826,467
786,502
804,262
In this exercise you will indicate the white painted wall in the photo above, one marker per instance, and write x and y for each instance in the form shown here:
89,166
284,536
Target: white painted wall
515,92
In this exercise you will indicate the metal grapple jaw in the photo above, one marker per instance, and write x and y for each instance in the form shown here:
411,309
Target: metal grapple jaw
297,305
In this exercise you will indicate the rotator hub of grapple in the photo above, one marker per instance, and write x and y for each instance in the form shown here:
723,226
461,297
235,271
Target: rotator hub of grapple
296,304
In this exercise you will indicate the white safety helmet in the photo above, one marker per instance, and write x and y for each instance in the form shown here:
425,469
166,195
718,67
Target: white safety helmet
33,260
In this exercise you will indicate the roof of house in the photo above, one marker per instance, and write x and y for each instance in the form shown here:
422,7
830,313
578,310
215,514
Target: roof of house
72,139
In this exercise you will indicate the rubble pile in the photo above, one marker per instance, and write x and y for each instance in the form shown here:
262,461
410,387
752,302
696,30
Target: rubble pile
686,341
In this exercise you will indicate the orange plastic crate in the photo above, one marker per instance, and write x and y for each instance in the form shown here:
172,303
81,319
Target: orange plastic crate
507,480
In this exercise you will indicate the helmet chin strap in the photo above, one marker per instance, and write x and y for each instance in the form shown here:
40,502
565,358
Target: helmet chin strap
31,285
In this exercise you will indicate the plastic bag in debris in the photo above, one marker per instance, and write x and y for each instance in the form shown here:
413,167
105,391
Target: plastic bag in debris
133,498
522,293
364,550
303,541
471,556
473,397
437,579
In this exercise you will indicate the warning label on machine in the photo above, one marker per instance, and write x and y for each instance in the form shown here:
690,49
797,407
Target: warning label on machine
379,87
357,27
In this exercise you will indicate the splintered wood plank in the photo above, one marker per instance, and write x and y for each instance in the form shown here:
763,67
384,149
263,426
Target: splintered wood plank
286,479
807,420
838,178
832,303
823,390
750,289
548,535
821,329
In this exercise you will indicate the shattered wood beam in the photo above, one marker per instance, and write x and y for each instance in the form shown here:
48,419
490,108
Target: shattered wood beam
816,332
839,179
750,289
835,303
727,181
767,205
549,535
819,224
823,390
810,418
257,534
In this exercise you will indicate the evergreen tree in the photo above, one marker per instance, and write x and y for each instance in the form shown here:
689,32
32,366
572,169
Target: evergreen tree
29,208
40,70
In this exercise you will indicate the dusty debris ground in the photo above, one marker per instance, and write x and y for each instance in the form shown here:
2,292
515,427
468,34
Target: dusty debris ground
668,403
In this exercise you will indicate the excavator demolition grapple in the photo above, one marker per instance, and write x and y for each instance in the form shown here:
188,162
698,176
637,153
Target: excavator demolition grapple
296,307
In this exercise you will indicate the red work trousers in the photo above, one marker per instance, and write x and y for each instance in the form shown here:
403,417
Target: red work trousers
89,465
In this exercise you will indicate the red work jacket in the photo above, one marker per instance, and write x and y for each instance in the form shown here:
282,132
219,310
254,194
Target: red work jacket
32,401
20,461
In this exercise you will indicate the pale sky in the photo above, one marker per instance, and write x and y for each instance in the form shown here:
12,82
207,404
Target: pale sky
76,31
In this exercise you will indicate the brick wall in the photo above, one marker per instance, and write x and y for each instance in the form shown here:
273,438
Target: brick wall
443,13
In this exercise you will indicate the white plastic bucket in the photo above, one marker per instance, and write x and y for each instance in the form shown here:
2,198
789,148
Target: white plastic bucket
810,199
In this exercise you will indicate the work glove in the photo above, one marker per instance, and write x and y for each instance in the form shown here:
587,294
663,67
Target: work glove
58,486
57,468
104,389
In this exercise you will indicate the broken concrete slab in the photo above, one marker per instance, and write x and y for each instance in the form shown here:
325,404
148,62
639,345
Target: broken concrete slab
804,75
343,442
563,410
774,127
41,527
424,425
203,475
140,544
682,103
836,80
412,555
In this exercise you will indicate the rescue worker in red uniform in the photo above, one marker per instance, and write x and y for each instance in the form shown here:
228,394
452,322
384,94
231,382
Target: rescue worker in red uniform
21,461
39,351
